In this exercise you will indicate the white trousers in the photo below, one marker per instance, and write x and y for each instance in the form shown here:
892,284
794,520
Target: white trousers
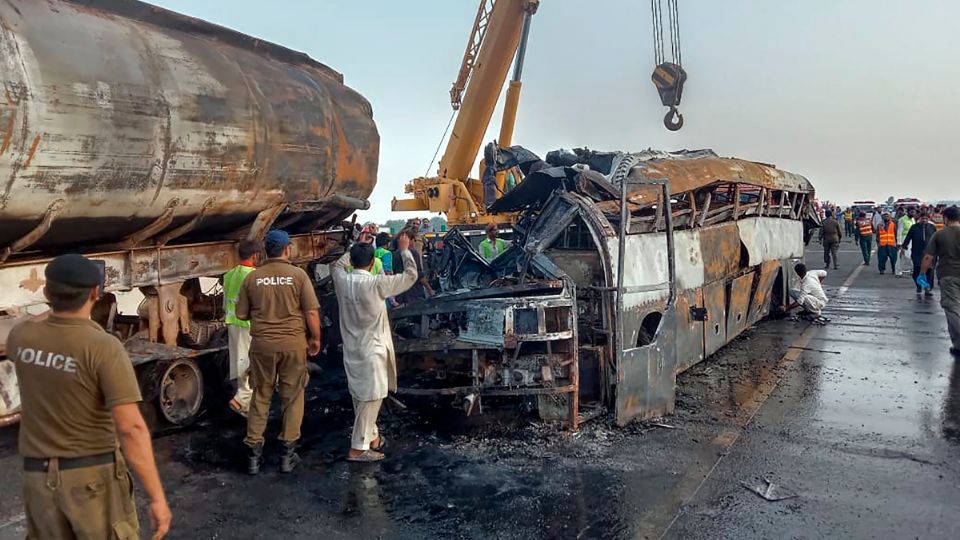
239,348
904,263
365,423
807,302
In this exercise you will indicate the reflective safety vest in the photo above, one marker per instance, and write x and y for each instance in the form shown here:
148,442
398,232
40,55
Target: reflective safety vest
848,216
903,227
487,248
383,254
865,227
375,270
888,235
232,283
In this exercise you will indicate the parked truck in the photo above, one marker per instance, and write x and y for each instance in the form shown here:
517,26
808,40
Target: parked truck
154,142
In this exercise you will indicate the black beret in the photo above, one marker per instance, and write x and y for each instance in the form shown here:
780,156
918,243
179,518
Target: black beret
73,269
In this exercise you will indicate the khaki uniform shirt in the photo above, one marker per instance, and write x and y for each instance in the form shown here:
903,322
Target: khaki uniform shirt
71,374
274,298
831,232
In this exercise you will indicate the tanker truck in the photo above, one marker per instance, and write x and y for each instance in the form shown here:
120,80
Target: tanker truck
153,143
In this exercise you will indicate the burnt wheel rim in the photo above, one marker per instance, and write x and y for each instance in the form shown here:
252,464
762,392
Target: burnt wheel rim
180,394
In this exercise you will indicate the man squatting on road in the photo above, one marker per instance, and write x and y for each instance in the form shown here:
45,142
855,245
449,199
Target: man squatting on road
368,355
278,299
810,295
944,247
79,397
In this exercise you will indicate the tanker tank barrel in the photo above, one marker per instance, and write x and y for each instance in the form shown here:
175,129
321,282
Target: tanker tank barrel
161,128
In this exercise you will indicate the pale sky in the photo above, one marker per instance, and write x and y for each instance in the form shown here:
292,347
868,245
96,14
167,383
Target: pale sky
861,97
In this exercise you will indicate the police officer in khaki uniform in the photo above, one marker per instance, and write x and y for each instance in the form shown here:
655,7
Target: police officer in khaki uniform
79,396
277,298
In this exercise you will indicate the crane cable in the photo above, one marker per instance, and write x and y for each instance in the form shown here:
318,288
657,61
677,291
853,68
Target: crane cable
668,76
674,17
657,32
440,144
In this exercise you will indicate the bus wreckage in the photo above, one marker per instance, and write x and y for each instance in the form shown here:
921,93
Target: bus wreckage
625,270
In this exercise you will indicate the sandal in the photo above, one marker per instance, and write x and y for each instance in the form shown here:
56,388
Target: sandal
237,408
368,456
380,447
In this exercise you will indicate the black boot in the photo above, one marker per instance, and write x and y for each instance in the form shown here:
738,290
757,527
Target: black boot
289,460
255,459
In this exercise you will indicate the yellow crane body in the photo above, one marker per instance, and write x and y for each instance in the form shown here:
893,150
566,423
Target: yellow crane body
500,27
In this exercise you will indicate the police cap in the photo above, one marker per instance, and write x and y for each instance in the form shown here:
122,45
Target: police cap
277,238
73,269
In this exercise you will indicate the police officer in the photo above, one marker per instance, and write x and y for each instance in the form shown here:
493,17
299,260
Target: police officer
79,396
277,298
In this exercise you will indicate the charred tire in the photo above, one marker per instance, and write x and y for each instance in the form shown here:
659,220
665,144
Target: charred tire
172,393
648,329
644,337
777,297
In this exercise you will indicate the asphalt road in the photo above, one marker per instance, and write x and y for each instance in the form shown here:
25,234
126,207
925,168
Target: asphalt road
855,424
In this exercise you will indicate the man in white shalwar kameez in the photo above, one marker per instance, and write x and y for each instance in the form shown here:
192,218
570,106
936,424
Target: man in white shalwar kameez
368,354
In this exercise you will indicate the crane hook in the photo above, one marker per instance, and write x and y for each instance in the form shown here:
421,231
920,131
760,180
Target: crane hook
673,120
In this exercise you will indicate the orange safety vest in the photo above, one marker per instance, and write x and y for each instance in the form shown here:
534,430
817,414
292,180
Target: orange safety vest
866,228
888,235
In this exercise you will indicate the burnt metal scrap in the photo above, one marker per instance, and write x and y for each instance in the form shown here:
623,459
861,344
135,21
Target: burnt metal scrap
589,308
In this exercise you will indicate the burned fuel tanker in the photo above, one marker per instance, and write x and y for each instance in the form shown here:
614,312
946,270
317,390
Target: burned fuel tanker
624,270
153,142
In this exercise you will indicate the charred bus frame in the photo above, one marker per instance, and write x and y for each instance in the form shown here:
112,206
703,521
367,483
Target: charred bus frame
563,317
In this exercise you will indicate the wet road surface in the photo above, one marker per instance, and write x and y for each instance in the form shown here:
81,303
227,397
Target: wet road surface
857,422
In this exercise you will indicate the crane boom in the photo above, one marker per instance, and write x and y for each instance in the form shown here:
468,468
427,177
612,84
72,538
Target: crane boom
498,30
470,55
489,73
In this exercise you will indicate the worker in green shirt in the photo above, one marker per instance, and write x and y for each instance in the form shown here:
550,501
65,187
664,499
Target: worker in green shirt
383,252
905,220
492,246
238,331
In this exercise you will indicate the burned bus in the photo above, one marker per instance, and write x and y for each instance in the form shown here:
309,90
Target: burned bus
625,270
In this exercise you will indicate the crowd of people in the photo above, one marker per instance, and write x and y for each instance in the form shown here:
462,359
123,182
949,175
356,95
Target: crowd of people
900,236
914,240
80,394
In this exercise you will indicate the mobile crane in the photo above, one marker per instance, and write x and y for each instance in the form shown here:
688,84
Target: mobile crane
499,34
499,37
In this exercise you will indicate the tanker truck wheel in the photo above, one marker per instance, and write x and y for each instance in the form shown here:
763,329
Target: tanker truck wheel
172,393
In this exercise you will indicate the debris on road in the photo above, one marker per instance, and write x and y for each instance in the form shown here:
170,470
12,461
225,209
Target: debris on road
770,491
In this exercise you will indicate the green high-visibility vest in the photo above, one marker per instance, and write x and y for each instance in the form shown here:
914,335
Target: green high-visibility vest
375,270
486,248
903,227
385,257
232,282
